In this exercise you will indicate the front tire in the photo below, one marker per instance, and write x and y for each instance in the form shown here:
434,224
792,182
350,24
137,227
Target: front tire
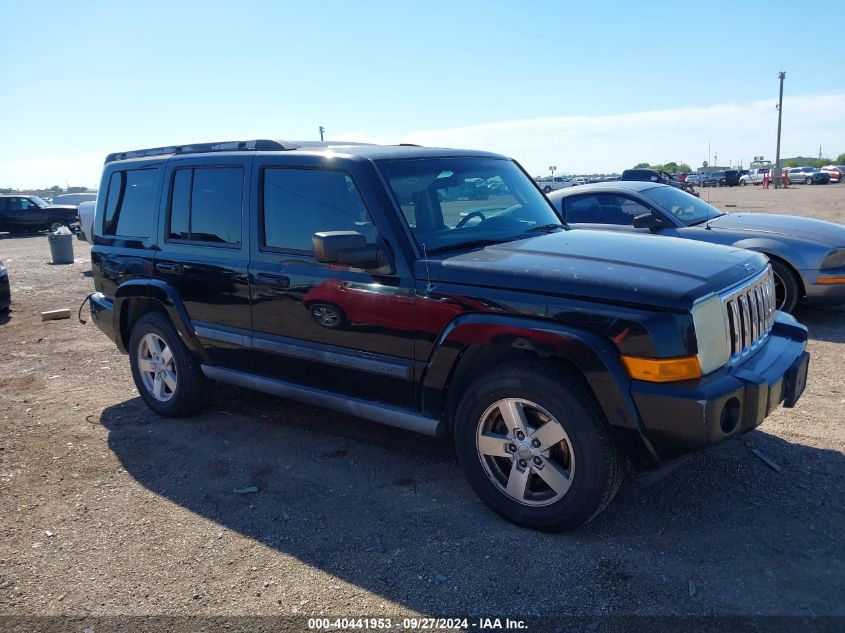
808,181
536,448
167,375
787,286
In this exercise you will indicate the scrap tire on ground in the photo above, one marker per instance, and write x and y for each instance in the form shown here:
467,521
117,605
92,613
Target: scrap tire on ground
549,395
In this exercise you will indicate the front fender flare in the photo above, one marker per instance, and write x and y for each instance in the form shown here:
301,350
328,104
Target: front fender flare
595,356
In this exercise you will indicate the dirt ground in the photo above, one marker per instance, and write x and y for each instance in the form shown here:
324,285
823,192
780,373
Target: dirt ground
108,509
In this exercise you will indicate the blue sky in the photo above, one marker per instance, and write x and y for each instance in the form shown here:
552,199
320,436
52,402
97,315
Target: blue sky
526,78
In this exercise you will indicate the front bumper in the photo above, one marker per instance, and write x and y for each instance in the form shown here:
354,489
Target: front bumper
683,417
102,313
822,294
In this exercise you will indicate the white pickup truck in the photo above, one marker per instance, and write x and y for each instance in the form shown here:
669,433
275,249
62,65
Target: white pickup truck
754,176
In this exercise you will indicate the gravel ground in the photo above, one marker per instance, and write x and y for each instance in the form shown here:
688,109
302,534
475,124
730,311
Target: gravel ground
107,509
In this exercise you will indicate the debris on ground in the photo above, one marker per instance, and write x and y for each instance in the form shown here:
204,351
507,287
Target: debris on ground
766,459
55,315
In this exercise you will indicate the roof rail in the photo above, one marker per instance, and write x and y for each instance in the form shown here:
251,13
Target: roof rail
226,146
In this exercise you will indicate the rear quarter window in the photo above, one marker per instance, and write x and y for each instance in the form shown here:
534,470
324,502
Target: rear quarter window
131,203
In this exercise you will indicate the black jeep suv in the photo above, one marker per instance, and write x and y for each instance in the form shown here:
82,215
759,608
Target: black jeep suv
345,276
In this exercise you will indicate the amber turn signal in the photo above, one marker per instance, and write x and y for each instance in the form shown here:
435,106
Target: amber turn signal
830,280
662,369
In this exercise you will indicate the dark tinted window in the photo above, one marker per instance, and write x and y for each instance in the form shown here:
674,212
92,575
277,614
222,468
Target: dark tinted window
300,202
131,203
179,205
205,205
4,204
603,209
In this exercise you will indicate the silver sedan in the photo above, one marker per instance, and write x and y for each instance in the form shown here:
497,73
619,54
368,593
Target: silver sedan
807,256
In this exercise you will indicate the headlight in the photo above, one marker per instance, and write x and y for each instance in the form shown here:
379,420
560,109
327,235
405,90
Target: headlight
834,259
711,332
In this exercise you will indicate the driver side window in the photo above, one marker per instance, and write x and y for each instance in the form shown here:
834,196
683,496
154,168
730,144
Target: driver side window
603,208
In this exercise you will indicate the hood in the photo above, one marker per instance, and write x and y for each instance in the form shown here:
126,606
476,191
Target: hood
784,226
649,270
62,207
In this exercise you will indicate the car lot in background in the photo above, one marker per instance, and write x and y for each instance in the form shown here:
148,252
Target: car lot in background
807,176
21,214
808,256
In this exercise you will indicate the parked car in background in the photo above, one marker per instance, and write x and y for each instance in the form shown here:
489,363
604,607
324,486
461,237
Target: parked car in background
20,214
808,176
731,178
652,175
5,288
74,198
553,184
807,256
86,221
754,176
836,172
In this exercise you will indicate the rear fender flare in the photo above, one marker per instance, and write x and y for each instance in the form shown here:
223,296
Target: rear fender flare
166,295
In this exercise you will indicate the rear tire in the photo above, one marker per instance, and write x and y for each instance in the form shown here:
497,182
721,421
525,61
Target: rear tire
565,468
787,286
167,375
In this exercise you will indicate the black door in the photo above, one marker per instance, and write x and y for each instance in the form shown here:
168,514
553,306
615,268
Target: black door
341,329
204,251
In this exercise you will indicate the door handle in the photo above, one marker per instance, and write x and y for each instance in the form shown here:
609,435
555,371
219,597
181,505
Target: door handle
280,281
164,267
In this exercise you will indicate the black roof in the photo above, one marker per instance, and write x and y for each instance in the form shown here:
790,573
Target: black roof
615,186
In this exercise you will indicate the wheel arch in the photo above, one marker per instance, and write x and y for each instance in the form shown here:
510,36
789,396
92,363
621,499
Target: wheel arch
774,250
135,298
473,344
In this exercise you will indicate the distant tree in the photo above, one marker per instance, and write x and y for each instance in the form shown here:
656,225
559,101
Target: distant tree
6,190
684,168
642,166
77,189
840,160
55,188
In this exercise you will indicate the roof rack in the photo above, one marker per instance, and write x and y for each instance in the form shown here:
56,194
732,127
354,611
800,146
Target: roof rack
262,145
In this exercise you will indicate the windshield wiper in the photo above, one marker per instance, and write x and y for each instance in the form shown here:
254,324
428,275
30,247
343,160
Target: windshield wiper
466,244
544,228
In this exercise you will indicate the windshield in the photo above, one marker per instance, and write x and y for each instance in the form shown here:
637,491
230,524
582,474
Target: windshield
688,209
456,202
38,201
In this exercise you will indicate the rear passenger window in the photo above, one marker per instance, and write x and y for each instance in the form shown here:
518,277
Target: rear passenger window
205,205
131,203
297,203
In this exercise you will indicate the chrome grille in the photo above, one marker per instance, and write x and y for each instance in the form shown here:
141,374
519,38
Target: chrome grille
749,314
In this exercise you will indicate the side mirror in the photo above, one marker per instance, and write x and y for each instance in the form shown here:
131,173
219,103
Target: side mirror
347,248
648,221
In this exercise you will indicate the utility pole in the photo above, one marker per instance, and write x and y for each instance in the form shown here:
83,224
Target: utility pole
322,129
778,171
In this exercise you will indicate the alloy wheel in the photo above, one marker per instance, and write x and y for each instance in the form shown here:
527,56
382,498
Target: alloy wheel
525,452
157,367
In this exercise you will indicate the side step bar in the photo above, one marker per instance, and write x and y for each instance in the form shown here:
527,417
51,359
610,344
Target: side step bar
385,414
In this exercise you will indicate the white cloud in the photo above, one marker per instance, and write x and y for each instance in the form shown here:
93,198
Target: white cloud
588,144
575,144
